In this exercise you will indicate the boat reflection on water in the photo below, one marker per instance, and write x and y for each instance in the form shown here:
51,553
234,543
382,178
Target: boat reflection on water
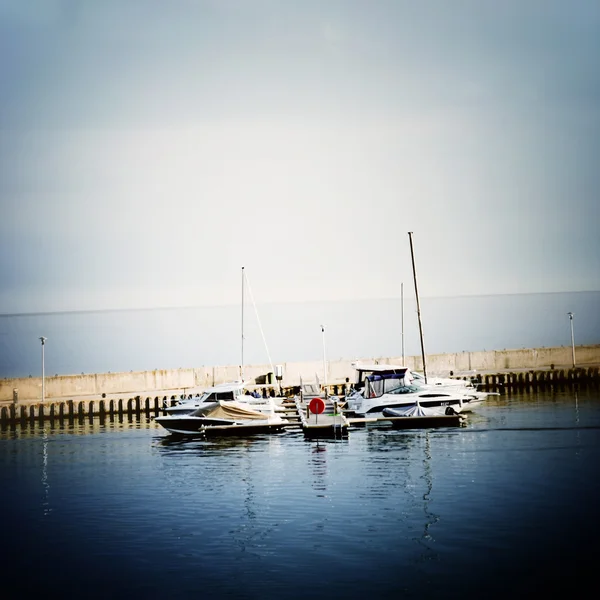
215,445
76,426
430,518
45,485
318,460
413,475
185,444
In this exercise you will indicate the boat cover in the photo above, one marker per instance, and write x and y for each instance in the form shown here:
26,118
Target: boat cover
228,410
414,410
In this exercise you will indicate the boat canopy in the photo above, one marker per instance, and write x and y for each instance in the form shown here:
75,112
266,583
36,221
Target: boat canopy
364,370
228,410
385,383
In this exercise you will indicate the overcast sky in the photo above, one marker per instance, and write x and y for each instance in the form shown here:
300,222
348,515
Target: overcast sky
149,149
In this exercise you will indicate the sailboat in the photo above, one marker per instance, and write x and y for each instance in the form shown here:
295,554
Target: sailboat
393,391
224,405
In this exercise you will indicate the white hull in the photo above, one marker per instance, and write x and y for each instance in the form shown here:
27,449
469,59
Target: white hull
190,425
373,407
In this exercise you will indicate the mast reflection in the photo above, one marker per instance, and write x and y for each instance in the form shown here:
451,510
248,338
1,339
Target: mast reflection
431,518
319,464
45,485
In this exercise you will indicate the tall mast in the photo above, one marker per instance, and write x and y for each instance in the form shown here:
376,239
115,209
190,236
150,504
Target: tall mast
242,365
402,316
324,359
412,254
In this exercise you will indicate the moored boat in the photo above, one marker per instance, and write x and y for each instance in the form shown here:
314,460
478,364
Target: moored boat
225,418
391,387
396,386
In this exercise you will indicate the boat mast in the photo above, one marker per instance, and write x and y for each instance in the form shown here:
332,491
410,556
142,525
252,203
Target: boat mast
262,333
242,363
402,317
324,359
412,254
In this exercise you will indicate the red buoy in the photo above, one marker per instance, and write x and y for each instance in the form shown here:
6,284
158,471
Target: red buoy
316,406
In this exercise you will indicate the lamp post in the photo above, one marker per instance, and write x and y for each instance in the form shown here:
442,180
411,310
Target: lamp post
572,338
43,340
324,359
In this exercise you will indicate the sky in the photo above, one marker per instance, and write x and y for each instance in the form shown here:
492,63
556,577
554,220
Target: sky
149,150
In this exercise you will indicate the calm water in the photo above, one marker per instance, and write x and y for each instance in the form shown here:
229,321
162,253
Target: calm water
506,505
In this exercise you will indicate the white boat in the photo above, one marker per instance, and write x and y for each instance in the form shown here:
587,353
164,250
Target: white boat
385,384
413,377
235,391
223,418
471,395
392,386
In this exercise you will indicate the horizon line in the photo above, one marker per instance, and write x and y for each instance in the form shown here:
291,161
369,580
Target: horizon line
225,305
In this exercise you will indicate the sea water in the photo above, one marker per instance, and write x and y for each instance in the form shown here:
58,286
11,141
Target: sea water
504,507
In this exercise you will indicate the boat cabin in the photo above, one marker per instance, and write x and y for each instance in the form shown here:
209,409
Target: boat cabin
225,391
378,384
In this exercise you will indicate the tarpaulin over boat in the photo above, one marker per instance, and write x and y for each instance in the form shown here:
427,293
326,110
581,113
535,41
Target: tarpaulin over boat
228,410
415,410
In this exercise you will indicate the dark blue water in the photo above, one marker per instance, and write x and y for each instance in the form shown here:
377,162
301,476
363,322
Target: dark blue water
506,506
171,338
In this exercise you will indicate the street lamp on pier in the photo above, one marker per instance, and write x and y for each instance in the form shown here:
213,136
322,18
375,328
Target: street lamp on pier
43,340
572,338
324,359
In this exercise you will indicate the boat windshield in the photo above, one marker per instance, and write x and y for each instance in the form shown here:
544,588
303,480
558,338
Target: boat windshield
377,385
405,389
216,396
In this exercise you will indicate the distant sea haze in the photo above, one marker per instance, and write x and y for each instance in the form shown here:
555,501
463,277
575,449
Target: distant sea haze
164,338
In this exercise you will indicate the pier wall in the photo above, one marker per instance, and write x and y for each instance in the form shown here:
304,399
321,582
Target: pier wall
177,381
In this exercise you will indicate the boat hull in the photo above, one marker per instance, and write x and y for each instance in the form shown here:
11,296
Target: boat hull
374,409
190,426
